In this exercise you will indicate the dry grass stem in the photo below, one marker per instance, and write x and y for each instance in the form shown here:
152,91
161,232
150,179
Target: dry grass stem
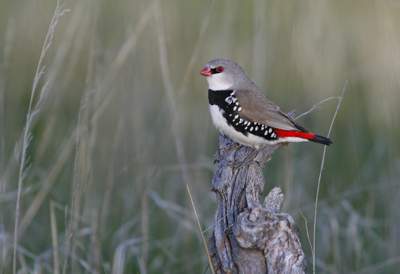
30,116
200,229
54,238
315,106
320,176
40,197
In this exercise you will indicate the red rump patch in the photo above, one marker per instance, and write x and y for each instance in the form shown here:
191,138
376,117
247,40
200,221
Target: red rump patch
294,133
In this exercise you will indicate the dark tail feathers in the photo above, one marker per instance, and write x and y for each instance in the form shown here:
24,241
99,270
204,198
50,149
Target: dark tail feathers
321,140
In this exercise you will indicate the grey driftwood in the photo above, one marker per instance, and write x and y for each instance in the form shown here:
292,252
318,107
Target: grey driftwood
249,236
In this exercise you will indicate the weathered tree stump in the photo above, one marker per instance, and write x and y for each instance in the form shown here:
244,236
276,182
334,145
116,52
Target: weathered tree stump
250,237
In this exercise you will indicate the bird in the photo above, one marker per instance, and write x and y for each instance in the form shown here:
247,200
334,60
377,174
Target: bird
240,111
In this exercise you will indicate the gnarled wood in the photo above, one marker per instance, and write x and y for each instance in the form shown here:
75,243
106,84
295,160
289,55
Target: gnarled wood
249,236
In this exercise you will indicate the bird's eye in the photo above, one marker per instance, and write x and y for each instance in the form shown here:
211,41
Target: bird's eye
218,69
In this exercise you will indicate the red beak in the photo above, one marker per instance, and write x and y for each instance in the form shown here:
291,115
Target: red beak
206,71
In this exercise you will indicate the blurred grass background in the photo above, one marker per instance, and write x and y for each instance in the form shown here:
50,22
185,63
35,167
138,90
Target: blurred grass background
122,125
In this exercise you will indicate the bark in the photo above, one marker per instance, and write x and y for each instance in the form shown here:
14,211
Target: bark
250,236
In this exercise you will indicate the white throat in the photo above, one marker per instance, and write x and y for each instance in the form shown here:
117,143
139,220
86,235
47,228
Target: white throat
218,82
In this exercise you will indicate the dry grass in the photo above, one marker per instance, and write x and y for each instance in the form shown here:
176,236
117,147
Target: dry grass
205,244
339,103
100,137
34,107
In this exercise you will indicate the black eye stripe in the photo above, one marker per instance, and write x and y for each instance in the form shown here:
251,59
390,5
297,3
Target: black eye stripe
214,71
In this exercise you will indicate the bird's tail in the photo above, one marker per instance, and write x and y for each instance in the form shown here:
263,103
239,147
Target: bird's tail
303,135
321,140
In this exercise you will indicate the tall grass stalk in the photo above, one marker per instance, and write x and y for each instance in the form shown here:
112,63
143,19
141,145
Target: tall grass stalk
320,176
54,239
32,112
200,229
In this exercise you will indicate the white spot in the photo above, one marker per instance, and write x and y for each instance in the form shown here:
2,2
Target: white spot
273,135
240,120
240,109
265,133
236,116
234,108
229,100
251,129
256,128
270,130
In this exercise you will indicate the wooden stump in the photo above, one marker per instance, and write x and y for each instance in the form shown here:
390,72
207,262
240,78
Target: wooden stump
250,237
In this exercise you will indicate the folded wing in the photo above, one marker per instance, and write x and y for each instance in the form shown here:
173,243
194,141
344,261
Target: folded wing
257,108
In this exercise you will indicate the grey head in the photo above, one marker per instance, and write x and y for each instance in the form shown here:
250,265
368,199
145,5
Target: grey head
223,74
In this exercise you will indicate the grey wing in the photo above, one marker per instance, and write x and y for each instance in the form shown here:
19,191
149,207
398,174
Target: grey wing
257,108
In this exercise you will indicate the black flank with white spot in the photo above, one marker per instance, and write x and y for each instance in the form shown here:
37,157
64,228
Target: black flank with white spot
230,106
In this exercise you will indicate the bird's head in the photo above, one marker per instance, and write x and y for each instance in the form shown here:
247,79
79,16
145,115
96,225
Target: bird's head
223,74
